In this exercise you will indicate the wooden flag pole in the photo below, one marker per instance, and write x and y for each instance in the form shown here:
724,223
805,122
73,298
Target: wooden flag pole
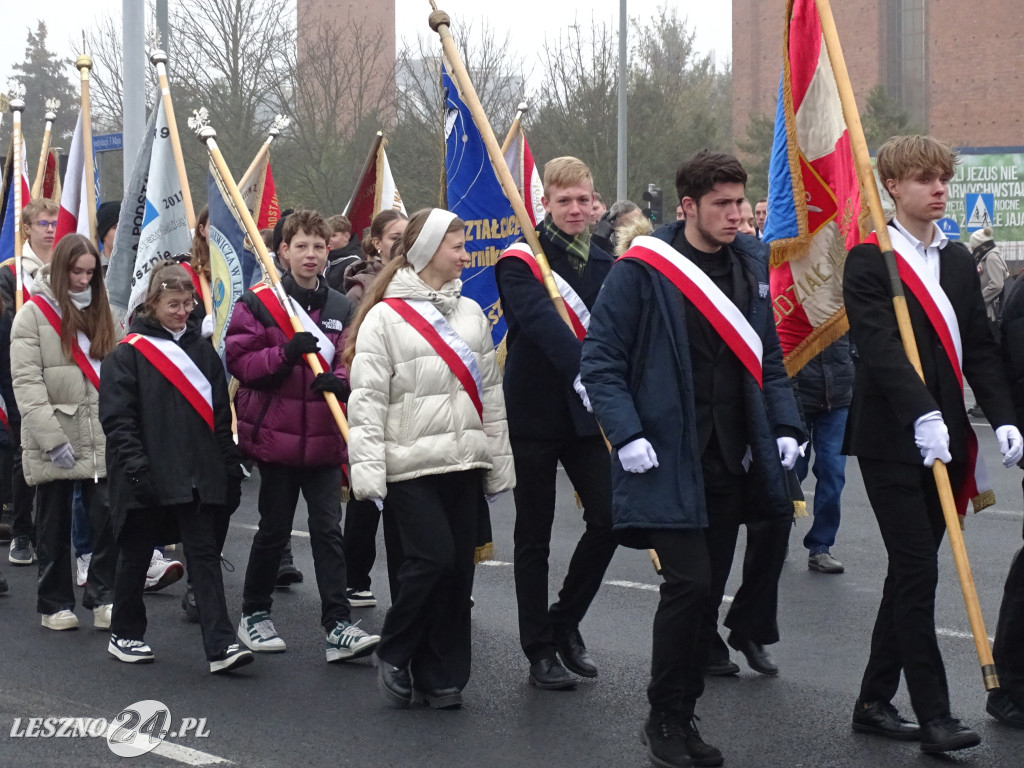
261,155
520,111
37,184
17,107
84,64
371,161
159,60
899,303
208,136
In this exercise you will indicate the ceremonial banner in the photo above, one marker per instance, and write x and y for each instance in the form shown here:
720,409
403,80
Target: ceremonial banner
520,162
8,218
152,218
233,265
475,195
375,190
813,194
51,176
74,200
260,196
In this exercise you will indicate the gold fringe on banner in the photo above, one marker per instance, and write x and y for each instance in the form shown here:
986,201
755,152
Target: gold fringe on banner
826,333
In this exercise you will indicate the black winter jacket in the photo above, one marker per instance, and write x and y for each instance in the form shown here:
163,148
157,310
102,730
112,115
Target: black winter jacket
826,382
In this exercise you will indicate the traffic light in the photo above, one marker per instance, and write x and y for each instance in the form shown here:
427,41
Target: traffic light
653,210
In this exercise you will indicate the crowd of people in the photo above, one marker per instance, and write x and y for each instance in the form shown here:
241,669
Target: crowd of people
664,399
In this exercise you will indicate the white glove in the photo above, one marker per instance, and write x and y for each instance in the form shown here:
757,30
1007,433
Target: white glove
207,329
1010,444
638,456
63,457
379,503
932,438
582,392
789,449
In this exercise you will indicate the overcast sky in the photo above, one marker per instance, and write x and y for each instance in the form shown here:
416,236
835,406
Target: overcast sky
526,20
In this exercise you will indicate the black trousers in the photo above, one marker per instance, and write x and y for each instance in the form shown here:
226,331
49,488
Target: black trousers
906,504
23,496
202,536
587,464
428,626
1008,648
361,520
56,588
279,493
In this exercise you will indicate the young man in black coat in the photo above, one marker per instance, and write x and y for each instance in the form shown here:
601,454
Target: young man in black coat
549,423
701,433
896,419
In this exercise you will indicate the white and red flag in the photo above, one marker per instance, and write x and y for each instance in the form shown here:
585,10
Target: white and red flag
74,199
375,190
260,195
813,194
519,159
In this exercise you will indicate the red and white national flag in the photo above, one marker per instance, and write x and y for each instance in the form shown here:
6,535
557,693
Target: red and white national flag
51,176
375,190
74,199
260,196
520,162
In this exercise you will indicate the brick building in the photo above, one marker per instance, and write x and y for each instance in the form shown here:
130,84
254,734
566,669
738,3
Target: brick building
956,66
376,16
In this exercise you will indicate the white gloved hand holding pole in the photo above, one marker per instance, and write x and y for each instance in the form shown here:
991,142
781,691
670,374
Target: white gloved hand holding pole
932,438
789,450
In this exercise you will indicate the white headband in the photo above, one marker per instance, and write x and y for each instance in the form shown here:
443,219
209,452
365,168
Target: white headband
429,239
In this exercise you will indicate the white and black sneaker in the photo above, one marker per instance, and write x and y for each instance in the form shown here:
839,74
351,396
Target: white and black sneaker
130,651
360,598
257,632
347,641
232,657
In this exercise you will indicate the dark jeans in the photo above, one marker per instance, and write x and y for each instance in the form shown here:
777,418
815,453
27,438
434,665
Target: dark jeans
361,520
587,465
81,531
202,535
906,504
827,429
428,626
56,588
1008,648
677,666
279,493
23,494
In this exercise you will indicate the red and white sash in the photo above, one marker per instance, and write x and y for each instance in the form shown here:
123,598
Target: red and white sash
725,317
179,369
432,326
3,414
269,299
79,347
920,280
574,305
197,286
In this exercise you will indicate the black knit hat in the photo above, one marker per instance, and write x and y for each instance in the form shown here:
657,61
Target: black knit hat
278,237
106,217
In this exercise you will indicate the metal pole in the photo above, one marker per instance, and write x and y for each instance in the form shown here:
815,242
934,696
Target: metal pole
133,38
620,177
163,26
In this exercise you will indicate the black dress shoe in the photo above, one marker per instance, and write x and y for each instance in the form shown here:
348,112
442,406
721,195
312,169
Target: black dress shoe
549,675
882,719
574,654
1001,705
757,657
394,684
947,734
439,698
721,667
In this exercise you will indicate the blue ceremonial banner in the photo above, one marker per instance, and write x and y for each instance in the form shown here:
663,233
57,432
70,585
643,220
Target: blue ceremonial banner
475,196
233,266
7,228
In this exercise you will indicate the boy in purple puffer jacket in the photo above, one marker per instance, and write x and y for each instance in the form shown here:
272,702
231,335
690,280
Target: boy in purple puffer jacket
285,425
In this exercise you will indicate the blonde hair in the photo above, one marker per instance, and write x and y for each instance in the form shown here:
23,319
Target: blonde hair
904,156
563,172
33,209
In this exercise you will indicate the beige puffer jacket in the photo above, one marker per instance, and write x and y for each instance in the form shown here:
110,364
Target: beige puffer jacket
58,403
409,416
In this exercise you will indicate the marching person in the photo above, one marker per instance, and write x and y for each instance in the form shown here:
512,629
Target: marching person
385,230
429,435
684,370
285,425
57,343
897,420
549,422
173,465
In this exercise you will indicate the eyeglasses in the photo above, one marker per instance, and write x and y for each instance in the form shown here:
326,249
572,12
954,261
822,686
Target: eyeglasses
44,225
177,306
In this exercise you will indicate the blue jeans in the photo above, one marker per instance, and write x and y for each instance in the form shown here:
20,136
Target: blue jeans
827,429
81,529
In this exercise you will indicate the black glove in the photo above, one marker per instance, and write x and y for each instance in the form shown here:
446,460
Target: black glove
302,343
328,382
140,485
234,494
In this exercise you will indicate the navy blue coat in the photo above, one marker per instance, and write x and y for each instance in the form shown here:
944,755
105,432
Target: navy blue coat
637,371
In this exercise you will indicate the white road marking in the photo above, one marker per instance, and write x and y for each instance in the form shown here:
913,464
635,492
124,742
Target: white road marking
300,534
188,756
956,634
494,563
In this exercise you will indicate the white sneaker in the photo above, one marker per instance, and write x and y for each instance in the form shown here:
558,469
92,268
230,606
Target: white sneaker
130,651
101,616
83,568
347,641
257,631
162,572
60,620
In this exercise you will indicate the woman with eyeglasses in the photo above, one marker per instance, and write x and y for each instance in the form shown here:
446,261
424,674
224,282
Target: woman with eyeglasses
174,467
57,342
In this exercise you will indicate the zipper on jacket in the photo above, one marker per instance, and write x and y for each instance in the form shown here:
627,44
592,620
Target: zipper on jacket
92,440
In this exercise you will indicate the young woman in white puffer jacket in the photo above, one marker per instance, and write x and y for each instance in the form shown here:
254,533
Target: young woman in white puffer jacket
428,431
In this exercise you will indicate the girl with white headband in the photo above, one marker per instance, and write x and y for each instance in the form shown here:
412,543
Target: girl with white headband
428,431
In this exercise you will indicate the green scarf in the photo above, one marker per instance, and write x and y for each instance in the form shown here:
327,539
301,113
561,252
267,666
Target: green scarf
577,248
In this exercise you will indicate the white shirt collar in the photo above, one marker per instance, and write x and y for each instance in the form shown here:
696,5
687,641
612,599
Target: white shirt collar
929,252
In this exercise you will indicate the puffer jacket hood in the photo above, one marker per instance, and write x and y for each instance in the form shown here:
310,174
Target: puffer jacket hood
358,278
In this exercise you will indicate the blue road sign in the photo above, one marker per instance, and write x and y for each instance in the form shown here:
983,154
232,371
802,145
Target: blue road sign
107,142
949,228
980,210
